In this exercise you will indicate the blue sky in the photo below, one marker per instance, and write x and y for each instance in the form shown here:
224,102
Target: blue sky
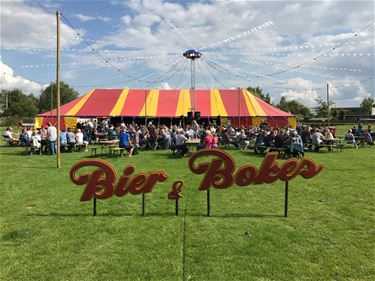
244,43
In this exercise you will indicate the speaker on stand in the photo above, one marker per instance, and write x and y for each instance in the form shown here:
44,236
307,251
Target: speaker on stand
197,115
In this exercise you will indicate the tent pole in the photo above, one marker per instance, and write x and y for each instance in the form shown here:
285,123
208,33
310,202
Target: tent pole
58,87
145,110
239,110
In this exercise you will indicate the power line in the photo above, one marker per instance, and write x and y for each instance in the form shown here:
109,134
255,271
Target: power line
322,54
212,74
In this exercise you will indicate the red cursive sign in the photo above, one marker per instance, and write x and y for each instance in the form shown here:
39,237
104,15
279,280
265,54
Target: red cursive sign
221,171
101,182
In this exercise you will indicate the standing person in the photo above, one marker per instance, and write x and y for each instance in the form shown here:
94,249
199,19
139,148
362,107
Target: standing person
124,142
52,138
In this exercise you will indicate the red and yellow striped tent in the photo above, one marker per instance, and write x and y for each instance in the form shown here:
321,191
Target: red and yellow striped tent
235,105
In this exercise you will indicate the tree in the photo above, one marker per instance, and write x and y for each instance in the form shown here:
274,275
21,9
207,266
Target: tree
321,109
296,108
67,94
367,105
259,93
334,113
341,114
16,104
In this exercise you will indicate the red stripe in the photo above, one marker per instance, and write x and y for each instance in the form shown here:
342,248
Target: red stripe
203,102
100,103
167,103
270,110
134,102
234,102
63,109
277,121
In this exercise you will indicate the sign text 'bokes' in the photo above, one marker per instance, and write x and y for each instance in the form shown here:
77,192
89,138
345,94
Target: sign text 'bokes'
219,171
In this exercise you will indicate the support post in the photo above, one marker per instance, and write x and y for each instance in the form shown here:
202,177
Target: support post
176,207
143,204
286,199
328,109
94,206
194,108
58,164
208,203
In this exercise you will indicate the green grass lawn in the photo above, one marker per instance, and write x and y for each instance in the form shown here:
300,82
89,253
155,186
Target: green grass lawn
48,234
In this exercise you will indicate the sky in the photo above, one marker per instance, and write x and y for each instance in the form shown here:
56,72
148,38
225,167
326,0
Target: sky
289,49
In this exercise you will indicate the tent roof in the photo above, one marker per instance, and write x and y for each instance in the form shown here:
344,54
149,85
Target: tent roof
167,103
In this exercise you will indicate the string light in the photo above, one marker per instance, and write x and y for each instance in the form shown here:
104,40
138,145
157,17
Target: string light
322,54
238,36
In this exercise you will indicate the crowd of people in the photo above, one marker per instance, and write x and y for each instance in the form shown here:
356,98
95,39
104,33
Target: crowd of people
134,137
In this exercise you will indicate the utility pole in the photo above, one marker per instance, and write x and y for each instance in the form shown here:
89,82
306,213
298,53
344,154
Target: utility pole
58,88
328,109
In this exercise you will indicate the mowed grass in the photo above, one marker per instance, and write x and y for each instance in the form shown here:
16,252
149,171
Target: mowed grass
48,234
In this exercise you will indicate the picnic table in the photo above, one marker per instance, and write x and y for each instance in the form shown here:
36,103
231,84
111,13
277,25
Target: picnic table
360,140
192,143
106,143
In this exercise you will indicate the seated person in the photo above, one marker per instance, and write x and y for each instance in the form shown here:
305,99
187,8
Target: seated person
259,142
207,141
24,138
317,139
269,140
71,139
79,138
329,139
350,139
280,140
180,143
8,136
112,133
36,140
241,142
296,145
368,138
63,140
124,142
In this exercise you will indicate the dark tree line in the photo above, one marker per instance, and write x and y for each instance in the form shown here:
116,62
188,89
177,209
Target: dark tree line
15,105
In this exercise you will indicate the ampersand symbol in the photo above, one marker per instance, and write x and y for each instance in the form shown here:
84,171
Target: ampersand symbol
176,192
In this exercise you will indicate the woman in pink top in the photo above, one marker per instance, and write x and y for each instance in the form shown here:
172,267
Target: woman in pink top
207,141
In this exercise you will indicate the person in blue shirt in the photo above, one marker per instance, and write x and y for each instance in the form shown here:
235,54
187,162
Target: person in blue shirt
63,140
124,142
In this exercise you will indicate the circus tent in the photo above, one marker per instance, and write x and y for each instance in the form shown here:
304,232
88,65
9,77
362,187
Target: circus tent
236,105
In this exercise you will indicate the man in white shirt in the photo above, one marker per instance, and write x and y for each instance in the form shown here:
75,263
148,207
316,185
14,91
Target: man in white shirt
316,139
52,138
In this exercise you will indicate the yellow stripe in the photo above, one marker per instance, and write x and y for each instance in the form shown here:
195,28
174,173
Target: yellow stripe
184,103
151,106
217,106
116,110
254,108
73,111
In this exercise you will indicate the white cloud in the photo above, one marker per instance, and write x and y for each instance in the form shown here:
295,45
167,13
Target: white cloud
164,86
24,26
306,95
10,81
84,18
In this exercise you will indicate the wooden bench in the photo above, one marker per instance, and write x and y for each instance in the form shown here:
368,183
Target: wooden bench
93,150
116,151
